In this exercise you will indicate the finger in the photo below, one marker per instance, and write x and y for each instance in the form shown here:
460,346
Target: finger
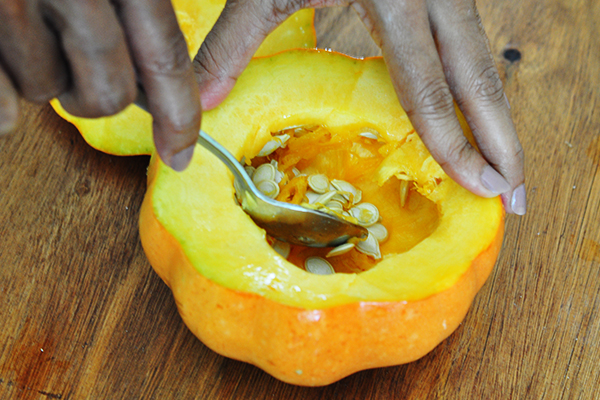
477,88
9,105
30,52
228,48
102,75
233,40
418,77
166,73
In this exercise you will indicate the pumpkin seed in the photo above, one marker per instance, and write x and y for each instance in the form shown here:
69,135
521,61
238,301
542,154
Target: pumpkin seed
291,127
278,174
324,198
268,148
274,144
282,248
369,135
269,188
404,190
347,190
312,196
318,183
265,172
335,206
339,250
339,198
283,139
367,214
319,266
379,232
303,130
370,247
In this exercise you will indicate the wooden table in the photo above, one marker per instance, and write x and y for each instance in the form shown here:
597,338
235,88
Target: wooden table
82,314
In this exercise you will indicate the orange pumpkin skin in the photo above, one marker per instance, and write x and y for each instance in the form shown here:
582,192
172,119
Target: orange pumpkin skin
305,346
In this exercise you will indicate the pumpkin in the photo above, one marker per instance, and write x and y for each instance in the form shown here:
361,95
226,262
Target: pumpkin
130,131
247,302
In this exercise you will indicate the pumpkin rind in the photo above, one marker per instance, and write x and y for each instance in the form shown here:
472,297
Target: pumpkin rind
130,131
246,302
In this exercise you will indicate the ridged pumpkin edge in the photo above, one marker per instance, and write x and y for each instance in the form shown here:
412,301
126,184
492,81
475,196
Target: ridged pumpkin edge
305,346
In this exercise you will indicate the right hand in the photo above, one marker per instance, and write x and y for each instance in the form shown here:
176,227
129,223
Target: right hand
90,53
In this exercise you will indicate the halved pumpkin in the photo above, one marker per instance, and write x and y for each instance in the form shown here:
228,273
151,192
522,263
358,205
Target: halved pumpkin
130,131
245,301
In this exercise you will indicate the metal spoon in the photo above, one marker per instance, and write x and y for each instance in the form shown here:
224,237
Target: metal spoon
287,222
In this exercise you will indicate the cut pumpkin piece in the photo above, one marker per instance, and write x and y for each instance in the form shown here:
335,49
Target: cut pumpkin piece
130,131
246,301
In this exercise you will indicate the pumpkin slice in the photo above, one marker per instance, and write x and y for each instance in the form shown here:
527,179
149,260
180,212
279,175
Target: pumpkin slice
245,301
130,131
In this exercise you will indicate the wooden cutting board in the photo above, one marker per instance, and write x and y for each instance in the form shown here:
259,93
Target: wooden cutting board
82,315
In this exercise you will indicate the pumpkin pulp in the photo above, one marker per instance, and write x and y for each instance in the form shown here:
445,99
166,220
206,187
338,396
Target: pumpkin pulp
354,159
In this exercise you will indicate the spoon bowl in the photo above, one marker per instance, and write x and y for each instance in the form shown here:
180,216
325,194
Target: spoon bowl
286,222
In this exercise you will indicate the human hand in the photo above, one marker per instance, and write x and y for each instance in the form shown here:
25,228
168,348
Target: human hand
88,54
435,50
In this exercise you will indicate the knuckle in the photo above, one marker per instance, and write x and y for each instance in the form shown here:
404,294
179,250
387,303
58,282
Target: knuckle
108,103
170,63
486,84
455,152
41,95
207,60
185,122
281,9
41,87
210,66
88,39
433,100
101,49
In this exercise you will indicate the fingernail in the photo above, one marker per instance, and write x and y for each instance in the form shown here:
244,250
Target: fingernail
493,181
519,200
181,160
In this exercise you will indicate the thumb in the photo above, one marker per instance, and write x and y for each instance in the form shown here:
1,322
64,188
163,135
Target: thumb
230,45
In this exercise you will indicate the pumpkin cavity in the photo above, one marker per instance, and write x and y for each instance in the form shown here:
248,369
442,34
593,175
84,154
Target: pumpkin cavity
335,173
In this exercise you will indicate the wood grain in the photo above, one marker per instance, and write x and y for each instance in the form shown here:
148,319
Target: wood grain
84,316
